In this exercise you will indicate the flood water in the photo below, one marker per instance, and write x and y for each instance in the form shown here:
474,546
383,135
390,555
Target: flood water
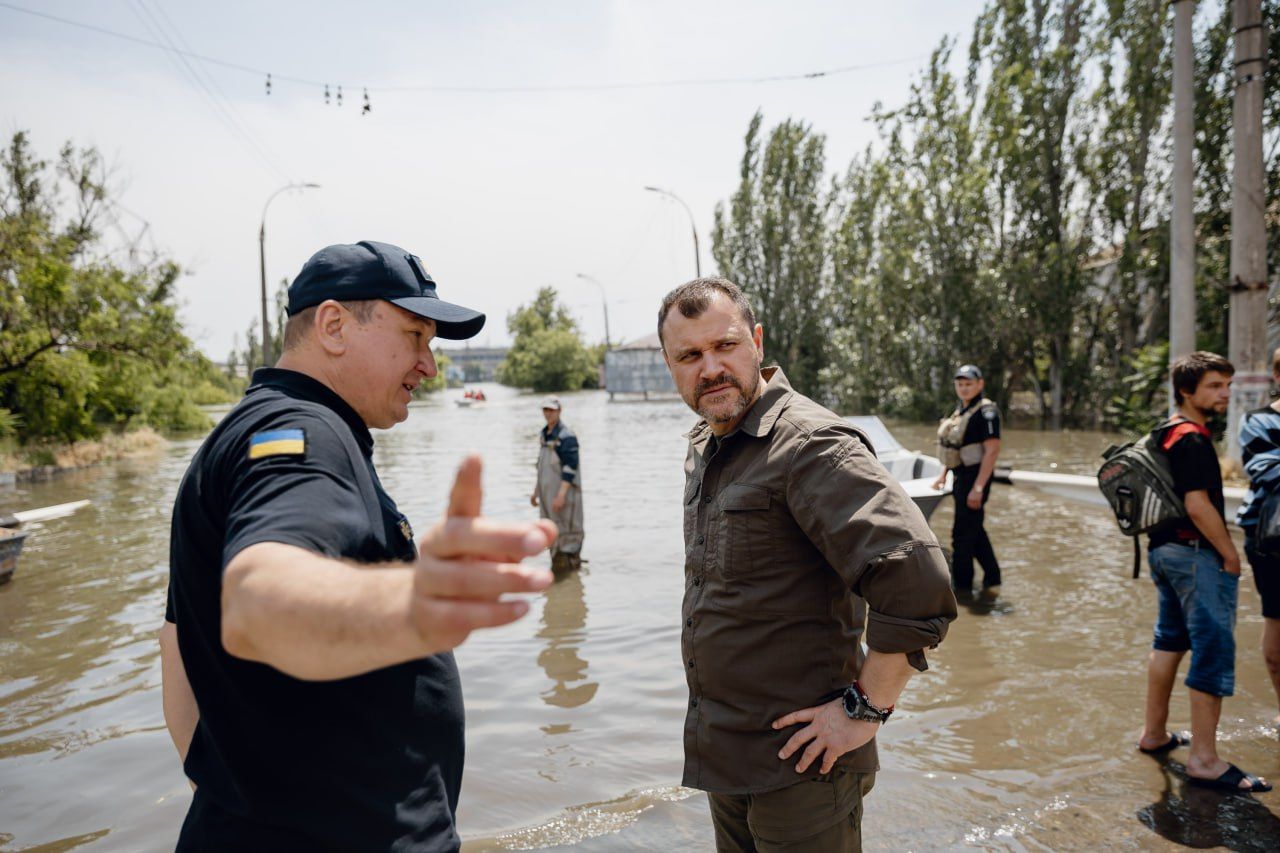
1020,736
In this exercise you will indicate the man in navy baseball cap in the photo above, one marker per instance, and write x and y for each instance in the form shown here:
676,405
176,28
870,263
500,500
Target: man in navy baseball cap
317,704
372,270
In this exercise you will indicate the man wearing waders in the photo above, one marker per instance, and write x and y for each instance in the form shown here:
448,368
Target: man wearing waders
969,442
558,492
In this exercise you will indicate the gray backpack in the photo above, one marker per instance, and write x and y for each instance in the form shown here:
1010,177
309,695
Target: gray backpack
1137,481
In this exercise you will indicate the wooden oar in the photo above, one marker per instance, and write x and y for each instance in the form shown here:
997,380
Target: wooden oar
43,513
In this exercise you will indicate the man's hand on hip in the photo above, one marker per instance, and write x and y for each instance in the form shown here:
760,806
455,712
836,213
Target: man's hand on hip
830,734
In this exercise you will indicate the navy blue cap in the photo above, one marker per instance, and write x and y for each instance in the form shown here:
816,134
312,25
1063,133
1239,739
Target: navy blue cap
968,371
370,270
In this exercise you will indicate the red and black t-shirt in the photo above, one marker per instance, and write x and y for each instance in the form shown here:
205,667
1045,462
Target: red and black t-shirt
1195,468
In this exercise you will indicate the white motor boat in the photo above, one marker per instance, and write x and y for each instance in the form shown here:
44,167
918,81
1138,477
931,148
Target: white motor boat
1084,489
915,471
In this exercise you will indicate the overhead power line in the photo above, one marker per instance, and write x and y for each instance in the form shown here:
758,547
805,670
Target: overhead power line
275,77
223,109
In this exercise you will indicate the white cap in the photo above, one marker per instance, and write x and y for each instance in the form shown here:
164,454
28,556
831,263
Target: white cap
552,402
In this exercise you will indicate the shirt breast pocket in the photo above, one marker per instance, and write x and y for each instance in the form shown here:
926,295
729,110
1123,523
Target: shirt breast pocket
746,528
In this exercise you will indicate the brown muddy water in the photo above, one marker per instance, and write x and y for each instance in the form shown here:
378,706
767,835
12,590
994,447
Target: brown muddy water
1020,737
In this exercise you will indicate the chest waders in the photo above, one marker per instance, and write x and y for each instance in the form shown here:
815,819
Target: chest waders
568,519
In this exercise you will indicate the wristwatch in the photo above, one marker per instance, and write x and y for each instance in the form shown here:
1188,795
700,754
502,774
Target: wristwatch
858,707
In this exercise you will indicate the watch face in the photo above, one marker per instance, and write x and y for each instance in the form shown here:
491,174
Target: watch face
855,708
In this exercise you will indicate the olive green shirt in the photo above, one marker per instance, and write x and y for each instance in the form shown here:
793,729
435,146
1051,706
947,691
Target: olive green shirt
793,530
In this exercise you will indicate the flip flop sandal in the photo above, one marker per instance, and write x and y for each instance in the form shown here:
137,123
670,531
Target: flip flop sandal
1230,781
1176,739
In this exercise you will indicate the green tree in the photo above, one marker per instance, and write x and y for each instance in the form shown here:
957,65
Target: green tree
1035,130
910,257
772,241
85,344
1018,219
547,352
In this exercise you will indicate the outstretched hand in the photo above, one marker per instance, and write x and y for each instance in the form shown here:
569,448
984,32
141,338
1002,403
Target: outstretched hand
830,734
466,563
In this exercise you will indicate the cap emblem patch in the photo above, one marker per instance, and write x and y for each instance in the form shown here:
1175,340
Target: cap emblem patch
420,270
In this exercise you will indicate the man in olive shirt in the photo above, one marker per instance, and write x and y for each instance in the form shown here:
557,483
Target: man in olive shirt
792,530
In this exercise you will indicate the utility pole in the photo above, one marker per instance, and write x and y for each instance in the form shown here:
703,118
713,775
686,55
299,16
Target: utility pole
697,252
262,269
604,300
1182,261
1247,335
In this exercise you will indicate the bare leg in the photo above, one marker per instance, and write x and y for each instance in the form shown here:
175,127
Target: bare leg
1204,762
1271,654
1162,671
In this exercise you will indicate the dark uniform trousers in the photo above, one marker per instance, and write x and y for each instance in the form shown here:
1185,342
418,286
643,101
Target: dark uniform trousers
819,815
968,537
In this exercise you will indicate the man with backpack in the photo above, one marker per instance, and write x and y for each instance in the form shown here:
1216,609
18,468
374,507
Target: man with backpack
1196,570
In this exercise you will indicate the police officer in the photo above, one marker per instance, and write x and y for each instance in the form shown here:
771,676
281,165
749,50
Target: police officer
969,443
316,702
558,489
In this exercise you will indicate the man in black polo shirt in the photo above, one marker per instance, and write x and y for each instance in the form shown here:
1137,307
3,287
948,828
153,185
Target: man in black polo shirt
308,677
1196,571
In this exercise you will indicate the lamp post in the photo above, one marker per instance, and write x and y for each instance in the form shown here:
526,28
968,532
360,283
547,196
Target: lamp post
262,264
604,300
697,254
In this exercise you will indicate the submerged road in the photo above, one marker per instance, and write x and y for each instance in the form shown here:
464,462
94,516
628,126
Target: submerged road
1020,736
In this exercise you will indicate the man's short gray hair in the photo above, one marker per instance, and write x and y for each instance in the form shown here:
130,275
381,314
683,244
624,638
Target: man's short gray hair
694,297
297,326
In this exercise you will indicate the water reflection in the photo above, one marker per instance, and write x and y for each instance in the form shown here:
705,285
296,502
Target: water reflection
1202,818
564,622
978,604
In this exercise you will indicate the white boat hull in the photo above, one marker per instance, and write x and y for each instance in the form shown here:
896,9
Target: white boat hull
1085,489
916,472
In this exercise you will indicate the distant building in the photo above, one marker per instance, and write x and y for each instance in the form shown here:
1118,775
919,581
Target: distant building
637,368
473,364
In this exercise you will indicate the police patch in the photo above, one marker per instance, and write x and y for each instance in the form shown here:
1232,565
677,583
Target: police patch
278,442
989,412
406,530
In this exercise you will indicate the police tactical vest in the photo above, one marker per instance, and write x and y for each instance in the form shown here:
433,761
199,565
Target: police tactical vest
951,430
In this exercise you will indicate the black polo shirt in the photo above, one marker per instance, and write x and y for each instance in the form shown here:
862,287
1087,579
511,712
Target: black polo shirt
372,762
984,424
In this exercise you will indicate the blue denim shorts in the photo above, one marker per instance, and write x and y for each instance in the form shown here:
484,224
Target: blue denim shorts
1197,612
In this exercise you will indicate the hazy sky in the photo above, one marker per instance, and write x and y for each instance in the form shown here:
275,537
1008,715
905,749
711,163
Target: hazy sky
499,192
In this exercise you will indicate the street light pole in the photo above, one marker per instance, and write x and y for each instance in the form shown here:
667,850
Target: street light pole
1247,334
604,300
697,253
262,265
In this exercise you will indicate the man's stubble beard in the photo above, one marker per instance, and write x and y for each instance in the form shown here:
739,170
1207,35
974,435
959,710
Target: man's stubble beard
745,396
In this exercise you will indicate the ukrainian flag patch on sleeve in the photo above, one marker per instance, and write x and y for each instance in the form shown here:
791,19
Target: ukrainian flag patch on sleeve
278,442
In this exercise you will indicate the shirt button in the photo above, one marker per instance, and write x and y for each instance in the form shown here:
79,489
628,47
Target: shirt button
694,702
690,663
697,581
688,623
700,539
707,499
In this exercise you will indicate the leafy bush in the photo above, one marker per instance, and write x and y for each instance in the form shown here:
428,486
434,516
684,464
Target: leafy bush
85,345
547,353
